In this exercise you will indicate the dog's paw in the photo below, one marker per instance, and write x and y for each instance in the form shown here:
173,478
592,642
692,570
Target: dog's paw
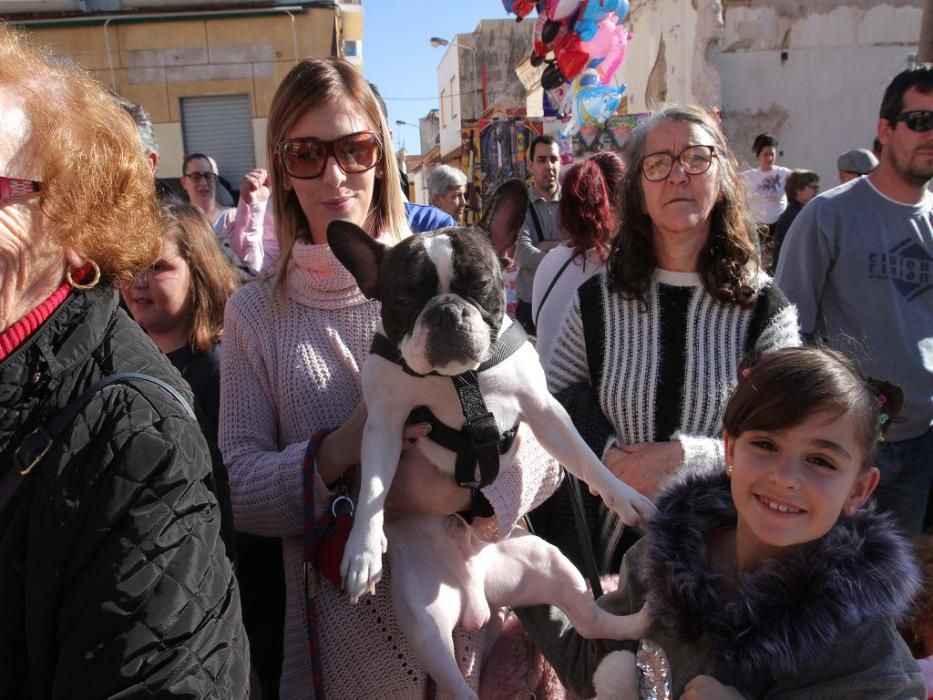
361,567
633,508
616,677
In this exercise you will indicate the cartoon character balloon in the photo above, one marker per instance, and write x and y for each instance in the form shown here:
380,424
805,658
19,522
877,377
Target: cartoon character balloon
592,12
520,8
559,10
593,102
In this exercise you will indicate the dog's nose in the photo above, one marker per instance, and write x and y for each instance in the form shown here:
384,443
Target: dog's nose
448,316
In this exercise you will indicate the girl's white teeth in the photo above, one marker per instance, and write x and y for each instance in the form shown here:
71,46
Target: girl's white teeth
780,507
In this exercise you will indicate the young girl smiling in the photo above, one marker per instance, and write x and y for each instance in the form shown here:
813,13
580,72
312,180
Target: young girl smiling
771,580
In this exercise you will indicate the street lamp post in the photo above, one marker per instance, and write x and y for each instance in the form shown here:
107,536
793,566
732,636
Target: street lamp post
437,41
402,122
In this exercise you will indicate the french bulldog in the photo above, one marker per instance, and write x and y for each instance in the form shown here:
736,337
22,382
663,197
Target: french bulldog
443,309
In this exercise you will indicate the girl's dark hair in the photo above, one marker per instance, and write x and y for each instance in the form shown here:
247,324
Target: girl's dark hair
513,191
586,213
797,180
724,260
762,141
212,277
782,389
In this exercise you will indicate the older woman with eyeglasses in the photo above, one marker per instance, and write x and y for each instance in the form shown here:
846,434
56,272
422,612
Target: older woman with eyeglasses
651,346
290,417
114,581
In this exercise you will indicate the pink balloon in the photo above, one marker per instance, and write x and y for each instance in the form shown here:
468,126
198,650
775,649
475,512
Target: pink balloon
613,59
605,39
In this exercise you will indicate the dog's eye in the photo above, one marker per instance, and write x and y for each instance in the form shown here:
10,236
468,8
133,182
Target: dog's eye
477,289
403,301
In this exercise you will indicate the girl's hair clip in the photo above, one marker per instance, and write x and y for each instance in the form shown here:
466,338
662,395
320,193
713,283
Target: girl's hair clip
746,371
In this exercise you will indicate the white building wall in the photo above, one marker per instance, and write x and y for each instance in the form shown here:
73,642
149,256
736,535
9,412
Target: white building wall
419,187
813,79
450,109
812,73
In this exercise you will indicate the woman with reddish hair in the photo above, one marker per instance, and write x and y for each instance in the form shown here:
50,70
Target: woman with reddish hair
588,218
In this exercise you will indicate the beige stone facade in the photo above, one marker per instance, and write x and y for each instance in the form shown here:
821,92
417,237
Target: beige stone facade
157,59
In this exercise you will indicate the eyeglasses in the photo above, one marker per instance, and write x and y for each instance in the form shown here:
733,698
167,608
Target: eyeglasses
202,177
695,160
919,120
13,187
305,158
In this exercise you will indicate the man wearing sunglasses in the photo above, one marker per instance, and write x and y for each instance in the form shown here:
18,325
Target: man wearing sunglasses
858,263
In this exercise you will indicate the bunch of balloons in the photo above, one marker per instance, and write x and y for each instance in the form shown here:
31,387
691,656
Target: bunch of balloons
582,43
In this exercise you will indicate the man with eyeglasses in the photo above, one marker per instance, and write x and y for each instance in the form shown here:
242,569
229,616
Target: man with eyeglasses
858,263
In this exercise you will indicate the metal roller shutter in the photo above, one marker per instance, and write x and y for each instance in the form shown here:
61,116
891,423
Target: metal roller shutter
220,126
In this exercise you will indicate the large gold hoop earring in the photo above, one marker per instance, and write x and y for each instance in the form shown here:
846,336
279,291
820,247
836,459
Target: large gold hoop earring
84,285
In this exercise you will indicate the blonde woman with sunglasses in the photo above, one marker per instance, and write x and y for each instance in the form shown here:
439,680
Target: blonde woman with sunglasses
294,344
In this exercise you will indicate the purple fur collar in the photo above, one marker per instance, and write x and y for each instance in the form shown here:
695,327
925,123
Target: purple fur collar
787,612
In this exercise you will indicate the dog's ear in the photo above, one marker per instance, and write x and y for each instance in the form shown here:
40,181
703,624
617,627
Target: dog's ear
359,252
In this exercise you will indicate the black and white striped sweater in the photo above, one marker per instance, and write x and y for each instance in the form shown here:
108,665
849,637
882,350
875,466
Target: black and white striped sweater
663,373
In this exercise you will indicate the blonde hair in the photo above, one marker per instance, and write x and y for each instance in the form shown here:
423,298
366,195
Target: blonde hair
98,192
212,278
311,84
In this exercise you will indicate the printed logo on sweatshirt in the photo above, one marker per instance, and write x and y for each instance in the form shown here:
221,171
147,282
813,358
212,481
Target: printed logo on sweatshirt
771,184
907,265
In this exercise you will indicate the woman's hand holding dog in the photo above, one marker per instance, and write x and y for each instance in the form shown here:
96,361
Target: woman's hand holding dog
341,449
418,486
645,466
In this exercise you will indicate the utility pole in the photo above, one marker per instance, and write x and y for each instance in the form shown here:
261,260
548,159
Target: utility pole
925,45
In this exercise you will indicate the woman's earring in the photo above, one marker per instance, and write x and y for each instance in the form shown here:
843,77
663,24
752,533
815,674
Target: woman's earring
729,469
95,278
851,508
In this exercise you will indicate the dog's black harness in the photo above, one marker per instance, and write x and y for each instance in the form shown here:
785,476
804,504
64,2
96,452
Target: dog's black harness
479,444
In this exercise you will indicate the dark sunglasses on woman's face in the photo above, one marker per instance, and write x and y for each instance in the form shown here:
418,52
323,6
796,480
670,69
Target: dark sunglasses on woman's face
13,187
919,120
305,158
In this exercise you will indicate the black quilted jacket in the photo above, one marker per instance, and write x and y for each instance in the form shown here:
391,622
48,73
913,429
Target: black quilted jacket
113,577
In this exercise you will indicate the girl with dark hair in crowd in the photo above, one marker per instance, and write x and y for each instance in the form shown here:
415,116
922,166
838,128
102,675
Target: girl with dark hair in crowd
502,220
587,217
801,187
785,583
179,301
650,346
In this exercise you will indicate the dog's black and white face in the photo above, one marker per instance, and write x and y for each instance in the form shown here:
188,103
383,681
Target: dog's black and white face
441,293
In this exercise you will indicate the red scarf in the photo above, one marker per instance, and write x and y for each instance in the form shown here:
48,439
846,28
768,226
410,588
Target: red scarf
16,335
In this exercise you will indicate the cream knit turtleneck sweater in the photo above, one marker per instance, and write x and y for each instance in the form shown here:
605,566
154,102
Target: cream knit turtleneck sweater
288,370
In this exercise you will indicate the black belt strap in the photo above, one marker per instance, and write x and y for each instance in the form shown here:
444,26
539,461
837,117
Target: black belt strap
479,444
36,444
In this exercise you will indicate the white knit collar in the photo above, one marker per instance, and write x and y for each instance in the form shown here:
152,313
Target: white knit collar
677,279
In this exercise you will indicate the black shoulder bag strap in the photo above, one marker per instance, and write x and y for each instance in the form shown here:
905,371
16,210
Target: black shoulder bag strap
539,232
547,292
590,308
36,444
